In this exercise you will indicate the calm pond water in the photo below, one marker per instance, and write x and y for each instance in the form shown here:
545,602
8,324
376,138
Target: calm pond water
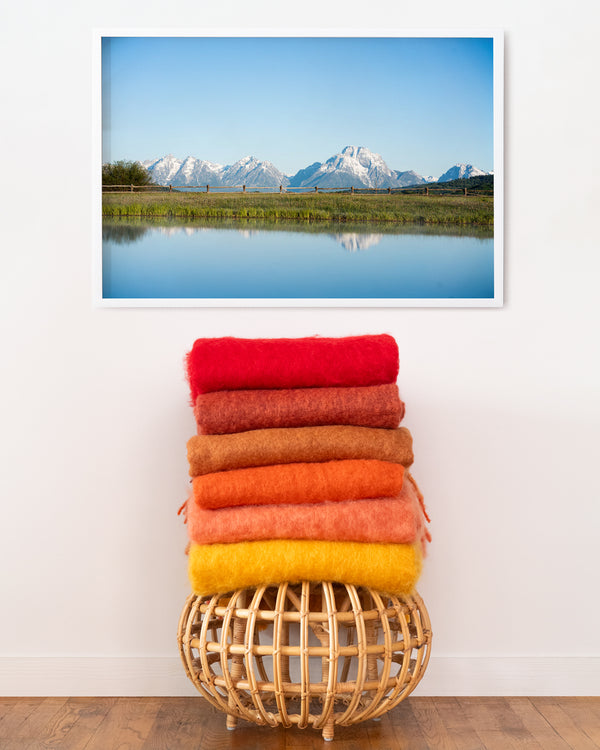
161,260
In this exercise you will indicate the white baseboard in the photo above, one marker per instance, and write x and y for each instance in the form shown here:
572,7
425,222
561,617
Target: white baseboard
94,676
164,676
511,675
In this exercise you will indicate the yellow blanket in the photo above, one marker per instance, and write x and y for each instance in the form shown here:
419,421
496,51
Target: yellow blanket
390,568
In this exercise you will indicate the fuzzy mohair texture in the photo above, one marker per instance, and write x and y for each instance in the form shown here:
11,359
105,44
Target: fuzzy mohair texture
395,520
331,481
240,411
285,445
228,363
220,568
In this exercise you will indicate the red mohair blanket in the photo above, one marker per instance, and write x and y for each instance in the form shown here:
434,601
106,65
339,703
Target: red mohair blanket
238,411
299,483
220,364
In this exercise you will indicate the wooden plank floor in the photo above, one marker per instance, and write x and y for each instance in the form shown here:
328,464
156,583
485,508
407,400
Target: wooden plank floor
190,723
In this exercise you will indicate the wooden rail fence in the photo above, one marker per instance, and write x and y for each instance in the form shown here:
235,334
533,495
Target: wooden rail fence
415,189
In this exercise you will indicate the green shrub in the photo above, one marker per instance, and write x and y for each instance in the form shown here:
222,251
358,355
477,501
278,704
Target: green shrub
125,173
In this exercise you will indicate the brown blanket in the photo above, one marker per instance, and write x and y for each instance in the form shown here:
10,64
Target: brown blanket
285,445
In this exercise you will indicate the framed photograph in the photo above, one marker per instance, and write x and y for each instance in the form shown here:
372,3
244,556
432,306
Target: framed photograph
317,169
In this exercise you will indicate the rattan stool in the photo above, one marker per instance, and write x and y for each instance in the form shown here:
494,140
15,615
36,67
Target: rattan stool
308,654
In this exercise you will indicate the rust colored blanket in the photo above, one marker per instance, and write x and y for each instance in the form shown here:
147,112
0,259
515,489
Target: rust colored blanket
219,364
284,445
331,481
239,411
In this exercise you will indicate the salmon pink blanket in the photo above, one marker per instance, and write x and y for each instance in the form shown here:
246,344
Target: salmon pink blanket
331,481
209,453
221,364
239,411
221,568
396,520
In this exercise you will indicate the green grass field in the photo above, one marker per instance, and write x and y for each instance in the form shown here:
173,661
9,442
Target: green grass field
339,208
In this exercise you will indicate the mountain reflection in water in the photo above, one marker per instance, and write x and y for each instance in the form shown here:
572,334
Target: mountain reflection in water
351,241
159,259
123,231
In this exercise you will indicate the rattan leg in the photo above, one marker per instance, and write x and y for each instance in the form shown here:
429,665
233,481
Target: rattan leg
323,633
371,638
285,660
231,722
237,660
327,732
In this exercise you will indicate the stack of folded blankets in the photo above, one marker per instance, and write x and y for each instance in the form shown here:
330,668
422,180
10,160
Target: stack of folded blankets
299,469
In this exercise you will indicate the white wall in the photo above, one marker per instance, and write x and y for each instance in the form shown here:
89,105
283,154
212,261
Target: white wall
503,404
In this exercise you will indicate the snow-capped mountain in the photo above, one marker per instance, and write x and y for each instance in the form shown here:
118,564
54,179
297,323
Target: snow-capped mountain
189,171
197,172
163,170
460,171
192,171
404,179
251,171
354,166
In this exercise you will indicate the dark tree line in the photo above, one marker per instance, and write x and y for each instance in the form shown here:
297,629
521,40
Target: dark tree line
481,183
125,173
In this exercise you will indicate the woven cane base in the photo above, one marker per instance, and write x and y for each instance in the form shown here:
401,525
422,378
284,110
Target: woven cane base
309,654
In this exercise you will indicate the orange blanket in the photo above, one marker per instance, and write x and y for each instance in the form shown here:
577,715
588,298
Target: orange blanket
396,520
238,411
299,483
285,445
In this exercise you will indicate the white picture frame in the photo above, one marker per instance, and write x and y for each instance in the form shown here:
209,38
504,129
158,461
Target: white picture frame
101,299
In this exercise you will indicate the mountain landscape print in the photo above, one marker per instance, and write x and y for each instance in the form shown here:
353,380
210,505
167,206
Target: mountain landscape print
291,171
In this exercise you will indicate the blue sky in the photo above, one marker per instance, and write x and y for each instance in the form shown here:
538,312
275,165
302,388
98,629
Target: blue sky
423,104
